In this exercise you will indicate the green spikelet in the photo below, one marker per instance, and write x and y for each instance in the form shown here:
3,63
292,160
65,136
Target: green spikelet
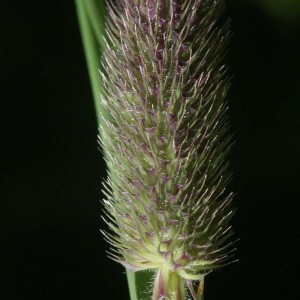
166,142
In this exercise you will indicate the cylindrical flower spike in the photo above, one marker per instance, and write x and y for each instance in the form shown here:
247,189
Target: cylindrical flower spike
166,142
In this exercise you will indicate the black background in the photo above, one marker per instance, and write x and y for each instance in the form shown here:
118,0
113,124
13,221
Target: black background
51,168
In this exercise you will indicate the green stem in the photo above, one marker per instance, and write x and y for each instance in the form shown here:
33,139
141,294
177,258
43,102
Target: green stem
197,294
168,285
92,47
139,284
200,291
132,284
96,16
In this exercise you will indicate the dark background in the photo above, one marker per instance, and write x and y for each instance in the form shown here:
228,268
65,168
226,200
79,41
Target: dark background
51,168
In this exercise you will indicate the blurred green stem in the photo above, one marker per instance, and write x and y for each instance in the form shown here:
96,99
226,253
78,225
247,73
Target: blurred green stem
91,17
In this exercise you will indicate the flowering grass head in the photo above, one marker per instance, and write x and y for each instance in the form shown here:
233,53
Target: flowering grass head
166,141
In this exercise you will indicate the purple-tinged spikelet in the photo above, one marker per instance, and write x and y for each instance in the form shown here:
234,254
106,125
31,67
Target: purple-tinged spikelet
167,139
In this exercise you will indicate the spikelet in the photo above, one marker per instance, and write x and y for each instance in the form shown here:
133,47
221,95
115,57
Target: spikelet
166,142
